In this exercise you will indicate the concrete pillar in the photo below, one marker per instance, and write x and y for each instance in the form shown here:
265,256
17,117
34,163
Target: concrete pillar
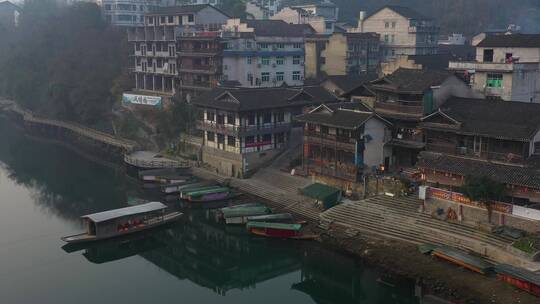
153,82
144,81
136,81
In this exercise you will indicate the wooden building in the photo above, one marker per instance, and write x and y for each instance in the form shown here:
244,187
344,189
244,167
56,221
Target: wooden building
497,139
343,140
243,128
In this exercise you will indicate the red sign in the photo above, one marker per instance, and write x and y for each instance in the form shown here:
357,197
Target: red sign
258,144
462,199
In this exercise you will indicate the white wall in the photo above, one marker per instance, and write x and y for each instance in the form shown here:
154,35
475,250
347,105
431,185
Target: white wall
374,149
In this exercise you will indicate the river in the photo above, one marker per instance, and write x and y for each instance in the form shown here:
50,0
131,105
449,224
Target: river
45,187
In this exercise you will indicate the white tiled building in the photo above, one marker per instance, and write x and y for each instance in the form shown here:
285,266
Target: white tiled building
127,12
264,53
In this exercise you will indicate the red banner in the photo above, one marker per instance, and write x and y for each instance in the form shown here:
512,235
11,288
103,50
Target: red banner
258,144
462,199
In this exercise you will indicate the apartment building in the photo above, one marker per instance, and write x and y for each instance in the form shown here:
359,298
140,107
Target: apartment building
341,54
321,16
403,31
170,48
127,12
262,9
507,66
264,53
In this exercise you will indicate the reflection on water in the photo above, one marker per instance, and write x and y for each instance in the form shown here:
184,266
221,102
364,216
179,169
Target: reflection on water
220,261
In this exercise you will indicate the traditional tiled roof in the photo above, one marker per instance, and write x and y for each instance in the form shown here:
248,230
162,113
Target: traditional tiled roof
508,174
250,99
510,120
406,12
182,9
348,115
348,83
279,28
513,40
412,80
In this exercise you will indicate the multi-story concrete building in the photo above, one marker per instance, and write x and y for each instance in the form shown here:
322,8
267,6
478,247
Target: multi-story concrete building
506,67
244,128
264,53
342,54
403,31
9,15
321,16
262,9
211,2
127,12
158,68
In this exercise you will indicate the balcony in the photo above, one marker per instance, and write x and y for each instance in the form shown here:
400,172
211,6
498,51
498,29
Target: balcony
481,66
318,138
197,85
400,108
199,69
199,52
423,29
338,170
243,130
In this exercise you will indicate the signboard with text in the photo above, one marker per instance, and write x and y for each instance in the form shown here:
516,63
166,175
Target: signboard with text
154,101
462,199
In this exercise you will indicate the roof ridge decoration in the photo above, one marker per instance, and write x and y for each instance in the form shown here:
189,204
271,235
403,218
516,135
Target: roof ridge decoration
439,111
221,96
300,92
317,109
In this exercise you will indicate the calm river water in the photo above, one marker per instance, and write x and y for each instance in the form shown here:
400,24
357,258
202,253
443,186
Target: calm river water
45,187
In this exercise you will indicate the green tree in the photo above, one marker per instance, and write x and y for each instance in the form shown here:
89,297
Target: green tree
484,190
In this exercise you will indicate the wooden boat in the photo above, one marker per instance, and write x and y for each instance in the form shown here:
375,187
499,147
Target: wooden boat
155,175
462,259
215,197
239,215
426,248
225,209
184,193
178,187
520,278
207,195
278,230
278,217
119,222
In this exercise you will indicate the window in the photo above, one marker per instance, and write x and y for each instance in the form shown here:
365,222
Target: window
386,25
210,116
392,38
296,60
265,60
280,45
231,141
267,138
250,140
107,7
249,60
267,117
191,18
251,120
488,55
296,75
280,117
494,80
162,20
265,77
386,38
280,60
230,119
263,45
248,44
210,136
328,25
221,139
170,19
220,119
297,45
393,24
280,76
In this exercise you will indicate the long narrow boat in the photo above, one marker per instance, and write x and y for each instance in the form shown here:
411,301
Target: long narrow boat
214,197
225,209
278,230
278,217
188,190
520,278
119,222
178,187
240,215
462,259
155,175
207,195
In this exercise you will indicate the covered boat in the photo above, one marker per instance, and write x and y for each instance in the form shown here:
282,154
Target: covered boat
462,258
178,187
278,217
207,195
239,215
278,230
160,175
118,222
519,277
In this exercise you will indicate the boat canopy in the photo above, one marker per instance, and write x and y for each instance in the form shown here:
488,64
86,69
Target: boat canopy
116,213
463,257
282,226
519,273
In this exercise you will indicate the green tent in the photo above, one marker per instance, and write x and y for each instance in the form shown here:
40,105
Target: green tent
328,195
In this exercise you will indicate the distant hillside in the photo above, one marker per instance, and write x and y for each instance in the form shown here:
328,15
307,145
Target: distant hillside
465,16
